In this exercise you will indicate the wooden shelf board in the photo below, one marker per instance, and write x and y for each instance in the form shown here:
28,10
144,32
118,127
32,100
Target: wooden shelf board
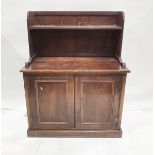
74,65
78,27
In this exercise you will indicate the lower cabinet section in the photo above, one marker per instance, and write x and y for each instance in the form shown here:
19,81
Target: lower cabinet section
70,105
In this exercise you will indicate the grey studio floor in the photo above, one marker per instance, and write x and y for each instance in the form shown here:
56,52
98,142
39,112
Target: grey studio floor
136,140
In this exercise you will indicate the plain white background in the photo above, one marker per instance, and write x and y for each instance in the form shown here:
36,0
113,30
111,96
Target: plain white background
136,52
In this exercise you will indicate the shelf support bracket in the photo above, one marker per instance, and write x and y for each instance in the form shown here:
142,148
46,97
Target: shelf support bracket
27,64
121,62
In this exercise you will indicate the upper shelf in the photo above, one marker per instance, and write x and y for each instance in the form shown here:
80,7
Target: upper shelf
78,27
75,33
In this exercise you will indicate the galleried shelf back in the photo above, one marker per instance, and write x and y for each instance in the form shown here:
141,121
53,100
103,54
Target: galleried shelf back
75,78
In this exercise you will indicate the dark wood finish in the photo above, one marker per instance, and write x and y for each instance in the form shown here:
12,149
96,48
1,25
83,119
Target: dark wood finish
97,101
48,42
53,101
75,133
74,18
80,27
75,33
75,65
75,78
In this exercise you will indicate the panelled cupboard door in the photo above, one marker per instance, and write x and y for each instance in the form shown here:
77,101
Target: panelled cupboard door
97,101
51,102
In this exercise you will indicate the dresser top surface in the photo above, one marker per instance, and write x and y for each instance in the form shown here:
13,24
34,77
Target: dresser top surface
74,65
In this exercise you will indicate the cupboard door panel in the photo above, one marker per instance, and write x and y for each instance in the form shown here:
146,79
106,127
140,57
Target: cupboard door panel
54,102
97,102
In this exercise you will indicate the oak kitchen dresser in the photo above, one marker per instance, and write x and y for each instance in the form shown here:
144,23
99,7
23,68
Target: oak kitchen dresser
75,78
